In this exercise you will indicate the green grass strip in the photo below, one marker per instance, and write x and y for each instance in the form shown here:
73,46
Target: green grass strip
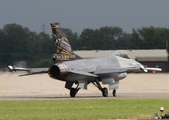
82,109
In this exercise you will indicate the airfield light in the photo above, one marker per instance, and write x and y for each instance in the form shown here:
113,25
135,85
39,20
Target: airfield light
161,110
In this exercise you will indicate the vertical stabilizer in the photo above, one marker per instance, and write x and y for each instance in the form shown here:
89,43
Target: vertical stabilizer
63,48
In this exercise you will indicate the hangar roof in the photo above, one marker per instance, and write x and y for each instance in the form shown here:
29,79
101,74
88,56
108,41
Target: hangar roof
140,55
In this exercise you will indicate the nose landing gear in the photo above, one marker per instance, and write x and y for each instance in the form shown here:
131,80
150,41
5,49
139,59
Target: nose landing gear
114,93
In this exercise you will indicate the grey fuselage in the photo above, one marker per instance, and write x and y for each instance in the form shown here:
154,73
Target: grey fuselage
86,68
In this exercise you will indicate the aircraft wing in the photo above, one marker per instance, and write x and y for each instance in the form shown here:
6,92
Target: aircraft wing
30,71
142,68
153,69
83,73
107,70
80,75
146,69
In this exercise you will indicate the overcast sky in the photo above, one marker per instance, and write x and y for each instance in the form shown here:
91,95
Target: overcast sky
80,14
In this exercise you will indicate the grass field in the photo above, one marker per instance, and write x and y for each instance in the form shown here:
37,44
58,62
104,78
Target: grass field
82,109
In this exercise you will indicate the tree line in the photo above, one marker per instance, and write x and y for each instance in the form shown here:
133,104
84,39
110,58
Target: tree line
18,43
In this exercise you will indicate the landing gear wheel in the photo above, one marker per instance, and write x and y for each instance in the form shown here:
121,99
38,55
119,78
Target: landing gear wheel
73,92
114,93
104,92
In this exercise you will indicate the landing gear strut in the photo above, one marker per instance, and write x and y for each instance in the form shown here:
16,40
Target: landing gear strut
103,90
73,91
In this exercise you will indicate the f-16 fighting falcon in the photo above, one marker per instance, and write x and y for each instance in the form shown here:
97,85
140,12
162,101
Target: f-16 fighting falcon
72,69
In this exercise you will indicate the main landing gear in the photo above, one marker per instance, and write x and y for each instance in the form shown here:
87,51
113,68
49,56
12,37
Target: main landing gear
74,91
103,90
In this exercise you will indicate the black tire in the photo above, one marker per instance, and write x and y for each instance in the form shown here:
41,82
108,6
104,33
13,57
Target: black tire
114,93
104,92
73,92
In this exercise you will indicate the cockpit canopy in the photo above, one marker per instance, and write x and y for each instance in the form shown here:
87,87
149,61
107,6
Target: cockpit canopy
121,53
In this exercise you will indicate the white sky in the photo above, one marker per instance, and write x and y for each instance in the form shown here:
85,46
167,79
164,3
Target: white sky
80,14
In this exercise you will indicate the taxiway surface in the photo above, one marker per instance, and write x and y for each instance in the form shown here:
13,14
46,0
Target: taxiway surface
35,87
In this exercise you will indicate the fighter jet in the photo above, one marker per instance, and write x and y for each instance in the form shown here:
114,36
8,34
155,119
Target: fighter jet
74,70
